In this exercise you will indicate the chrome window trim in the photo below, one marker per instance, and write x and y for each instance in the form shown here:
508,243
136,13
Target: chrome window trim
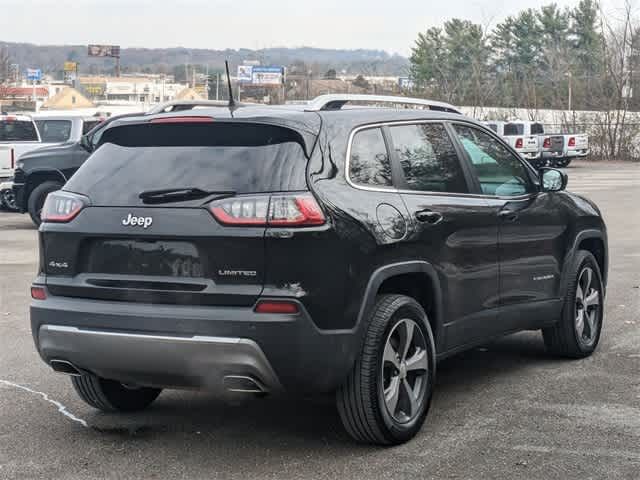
414,192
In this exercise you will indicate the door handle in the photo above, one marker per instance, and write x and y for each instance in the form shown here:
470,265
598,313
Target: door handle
427,216
508,215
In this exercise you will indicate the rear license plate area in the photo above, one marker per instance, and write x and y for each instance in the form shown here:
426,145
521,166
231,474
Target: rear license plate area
160,258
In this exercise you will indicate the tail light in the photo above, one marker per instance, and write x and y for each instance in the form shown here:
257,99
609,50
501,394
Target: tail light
13,159
520,143
287,210
572,141
61,207
38,293
547,142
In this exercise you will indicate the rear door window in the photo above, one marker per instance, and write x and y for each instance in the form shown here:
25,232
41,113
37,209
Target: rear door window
54,131
18,131
428,158
369,160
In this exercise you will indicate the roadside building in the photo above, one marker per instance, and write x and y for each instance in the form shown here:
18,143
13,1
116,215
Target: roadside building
140,89
67,99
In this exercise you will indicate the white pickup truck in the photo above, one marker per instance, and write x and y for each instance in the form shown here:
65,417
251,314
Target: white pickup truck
555,149
18,135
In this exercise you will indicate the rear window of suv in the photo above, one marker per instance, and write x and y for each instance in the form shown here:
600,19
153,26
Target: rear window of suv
240,157
17,131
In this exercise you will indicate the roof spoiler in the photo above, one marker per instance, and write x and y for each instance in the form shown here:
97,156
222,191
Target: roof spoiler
337,101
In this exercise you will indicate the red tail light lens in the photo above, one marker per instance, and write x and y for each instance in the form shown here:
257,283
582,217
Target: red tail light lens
291,210
61,207
519,143
547,142
13,159
572,142
38,293
277,306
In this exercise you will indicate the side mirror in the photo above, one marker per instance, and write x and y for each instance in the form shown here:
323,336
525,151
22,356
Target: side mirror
553,180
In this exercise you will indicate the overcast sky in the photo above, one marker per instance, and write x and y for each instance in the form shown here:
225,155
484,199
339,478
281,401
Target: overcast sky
391,25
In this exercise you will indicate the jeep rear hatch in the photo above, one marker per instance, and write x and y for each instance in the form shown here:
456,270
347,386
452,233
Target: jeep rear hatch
176,213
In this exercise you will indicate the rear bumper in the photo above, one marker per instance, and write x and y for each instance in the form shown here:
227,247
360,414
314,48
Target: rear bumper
578,153
159,360
178,346
530,155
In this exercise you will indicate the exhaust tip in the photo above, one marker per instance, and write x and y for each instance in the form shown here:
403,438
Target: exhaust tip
243,384
63,366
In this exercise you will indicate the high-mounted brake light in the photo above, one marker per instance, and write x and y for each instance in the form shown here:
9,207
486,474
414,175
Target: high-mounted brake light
277,210
277,306
191,119
519,143
572,141
61,207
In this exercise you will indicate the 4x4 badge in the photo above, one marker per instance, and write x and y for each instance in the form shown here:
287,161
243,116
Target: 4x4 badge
133,221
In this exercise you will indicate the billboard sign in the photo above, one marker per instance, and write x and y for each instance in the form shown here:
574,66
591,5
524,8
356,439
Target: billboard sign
104,51
267,75
245,73
34,74
70,66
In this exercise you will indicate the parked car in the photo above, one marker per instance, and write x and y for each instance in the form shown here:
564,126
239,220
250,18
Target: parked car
557,150
308,249
45,170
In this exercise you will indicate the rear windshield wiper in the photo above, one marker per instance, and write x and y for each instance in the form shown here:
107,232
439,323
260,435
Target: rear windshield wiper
181,194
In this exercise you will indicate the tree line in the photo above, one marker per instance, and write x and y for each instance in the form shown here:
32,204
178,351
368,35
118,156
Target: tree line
530,60
548,58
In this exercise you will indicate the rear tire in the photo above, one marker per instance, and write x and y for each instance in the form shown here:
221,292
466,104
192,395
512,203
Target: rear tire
112,396
38,196
386,397
577,334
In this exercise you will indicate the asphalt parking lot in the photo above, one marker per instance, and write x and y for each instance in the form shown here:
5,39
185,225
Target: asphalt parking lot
506,410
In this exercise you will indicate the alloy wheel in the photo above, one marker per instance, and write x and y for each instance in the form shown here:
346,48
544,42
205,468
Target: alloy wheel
405,365
587,307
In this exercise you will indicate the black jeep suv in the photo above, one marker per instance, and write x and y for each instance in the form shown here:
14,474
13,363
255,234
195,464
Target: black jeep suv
308,249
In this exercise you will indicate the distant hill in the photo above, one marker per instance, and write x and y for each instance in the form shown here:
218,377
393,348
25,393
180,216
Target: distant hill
172,60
